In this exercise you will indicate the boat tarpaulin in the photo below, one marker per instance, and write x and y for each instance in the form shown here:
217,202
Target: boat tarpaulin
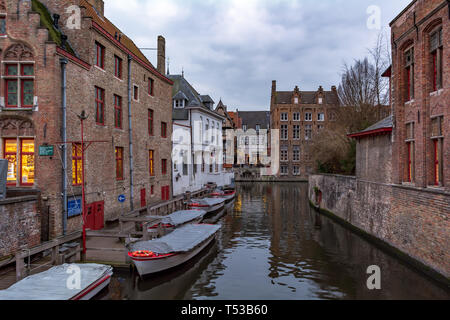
211,202
181,240
57,283
181,217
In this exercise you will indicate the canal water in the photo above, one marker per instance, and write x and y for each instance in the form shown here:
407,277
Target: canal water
273,246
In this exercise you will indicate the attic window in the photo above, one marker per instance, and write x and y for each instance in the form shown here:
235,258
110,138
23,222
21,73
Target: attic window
179,103
2,25
296,100
320,100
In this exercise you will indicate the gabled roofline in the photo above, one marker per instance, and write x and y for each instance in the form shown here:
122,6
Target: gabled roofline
150,68
401,13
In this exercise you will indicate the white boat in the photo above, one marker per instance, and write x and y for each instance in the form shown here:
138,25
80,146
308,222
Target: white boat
210,205
180,218
228,195
172,250
64,282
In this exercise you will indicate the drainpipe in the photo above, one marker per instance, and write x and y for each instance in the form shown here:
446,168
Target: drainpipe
63,62
130,134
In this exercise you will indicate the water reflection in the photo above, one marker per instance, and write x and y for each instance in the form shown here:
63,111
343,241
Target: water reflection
273,246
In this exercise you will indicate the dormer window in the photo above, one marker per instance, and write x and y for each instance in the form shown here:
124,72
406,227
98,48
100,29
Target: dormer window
178,103
296,100
320,100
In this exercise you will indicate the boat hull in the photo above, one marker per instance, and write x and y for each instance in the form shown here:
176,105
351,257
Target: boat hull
148,266
94,289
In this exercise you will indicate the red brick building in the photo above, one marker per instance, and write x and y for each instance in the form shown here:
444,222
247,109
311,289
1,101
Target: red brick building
421,95
299,115
62,57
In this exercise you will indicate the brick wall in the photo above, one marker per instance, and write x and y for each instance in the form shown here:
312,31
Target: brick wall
414,221
427,102
374,158
82,77
20,224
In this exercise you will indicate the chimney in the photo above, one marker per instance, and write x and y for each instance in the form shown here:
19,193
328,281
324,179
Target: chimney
161,55
99,6
274,86
333,88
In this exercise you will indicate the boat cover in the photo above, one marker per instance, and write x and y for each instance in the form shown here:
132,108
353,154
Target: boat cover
181,240
211,202
181,217
53,283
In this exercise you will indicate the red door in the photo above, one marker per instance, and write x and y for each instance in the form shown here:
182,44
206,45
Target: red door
95,215
165,193
143,198
99,215
90,217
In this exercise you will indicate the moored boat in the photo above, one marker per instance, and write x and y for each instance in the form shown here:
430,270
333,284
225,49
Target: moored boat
172,250
228,195
64,282
210,205
180,218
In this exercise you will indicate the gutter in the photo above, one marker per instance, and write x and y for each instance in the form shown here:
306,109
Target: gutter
64,62
130,135
369,133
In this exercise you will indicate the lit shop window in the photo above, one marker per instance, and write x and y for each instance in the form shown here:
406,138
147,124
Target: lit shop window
19,85
20,156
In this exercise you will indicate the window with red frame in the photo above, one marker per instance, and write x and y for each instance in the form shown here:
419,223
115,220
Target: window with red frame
99,106
136,93
151,87
163,130
118,67
2,25
436,49
99,55
437,137
19,85
410,149
151,157
409,74
164,166
77,173
119,163
150,123
118,112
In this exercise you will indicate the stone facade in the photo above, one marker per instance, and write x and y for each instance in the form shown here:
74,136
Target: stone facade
19,224
302,114
412,221
421,100
29,41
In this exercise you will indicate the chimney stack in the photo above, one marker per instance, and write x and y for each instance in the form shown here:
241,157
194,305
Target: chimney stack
161,55
274,86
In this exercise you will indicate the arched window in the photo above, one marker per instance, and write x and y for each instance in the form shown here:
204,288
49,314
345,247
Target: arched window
18,77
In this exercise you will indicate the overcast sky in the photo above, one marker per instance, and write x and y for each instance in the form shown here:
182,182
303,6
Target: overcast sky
233,49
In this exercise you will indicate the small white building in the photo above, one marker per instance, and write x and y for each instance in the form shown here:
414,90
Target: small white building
197,140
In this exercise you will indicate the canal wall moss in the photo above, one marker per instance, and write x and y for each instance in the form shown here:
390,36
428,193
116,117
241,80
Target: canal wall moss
411,223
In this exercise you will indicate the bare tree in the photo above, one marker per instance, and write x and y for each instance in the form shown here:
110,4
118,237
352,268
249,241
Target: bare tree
381,60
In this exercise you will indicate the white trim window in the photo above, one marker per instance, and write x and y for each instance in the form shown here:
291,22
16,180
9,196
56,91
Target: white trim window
284,170
296,116
178,104
308,116
296,170
284,116
321,116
